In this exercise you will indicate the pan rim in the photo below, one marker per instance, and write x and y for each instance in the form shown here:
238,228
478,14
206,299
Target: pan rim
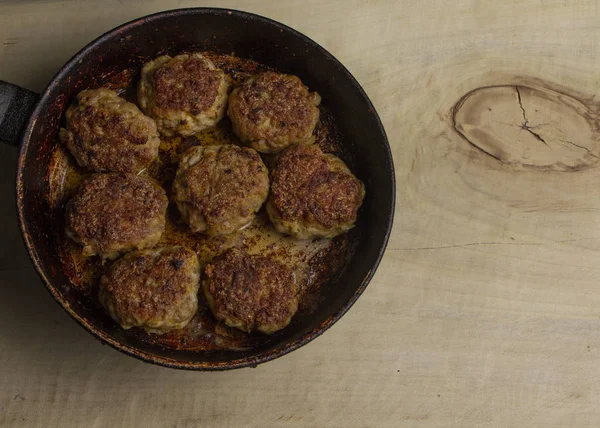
279,350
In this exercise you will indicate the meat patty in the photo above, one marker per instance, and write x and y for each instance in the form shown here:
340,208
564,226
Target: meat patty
155,289
271,111
313,194
250,292
106,133
184,94
219,189
115,213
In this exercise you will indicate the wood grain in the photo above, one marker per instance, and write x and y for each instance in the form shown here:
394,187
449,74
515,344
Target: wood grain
530,127
486,308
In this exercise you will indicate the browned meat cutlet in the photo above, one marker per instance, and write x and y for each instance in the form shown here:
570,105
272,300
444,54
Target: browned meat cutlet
313,194
219,189
271,111
106,133
250,292
184,94
115,213
154,289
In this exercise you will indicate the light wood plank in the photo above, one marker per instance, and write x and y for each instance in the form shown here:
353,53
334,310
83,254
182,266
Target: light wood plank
485,310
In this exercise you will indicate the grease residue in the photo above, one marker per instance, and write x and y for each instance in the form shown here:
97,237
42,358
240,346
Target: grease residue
315,262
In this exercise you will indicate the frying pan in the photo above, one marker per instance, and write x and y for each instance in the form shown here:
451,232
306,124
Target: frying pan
32,121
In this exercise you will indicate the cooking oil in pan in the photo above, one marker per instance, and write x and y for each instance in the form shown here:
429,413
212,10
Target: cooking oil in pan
315,262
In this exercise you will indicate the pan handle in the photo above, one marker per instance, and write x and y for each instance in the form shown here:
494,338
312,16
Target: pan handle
16,105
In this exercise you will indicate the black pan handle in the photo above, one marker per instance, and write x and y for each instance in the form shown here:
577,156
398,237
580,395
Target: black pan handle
16,105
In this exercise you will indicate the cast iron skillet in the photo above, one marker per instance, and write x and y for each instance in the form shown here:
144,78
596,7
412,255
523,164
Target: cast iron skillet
33,121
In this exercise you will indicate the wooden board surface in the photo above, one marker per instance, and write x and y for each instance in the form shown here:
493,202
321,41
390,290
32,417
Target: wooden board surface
486,308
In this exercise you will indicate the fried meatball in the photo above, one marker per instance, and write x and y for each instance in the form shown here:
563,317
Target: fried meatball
271,111
184,94
219,189
115,213
250,292
106,133
155,289
313,194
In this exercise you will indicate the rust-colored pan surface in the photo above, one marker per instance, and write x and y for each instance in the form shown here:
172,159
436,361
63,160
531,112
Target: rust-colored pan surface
336,272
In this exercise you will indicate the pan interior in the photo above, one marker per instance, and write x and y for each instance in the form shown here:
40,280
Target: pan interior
315,262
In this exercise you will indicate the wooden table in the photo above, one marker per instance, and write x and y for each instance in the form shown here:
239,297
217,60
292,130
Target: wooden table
486,308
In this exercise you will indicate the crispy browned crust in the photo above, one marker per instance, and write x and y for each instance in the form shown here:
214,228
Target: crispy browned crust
313,194
184,94
250,292
270,111
186,84
106,133
156,289
114,213
219,189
